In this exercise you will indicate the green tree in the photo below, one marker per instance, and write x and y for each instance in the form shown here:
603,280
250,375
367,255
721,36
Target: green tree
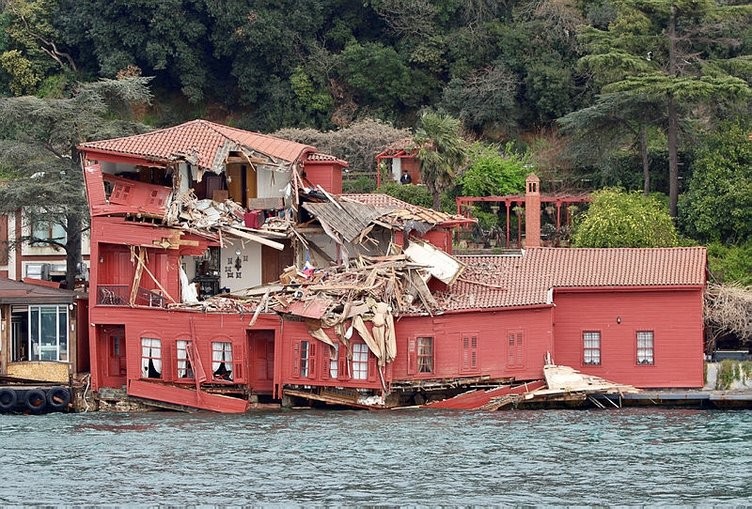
669,51
442,152
617,218
731,264
483,99
38,139
717,206
33,49
492,171
166,39
615,121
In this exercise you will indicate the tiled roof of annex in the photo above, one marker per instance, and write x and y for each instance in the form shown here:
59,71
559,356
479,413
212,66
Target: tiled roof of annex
17,292
407,211
498,281
200,139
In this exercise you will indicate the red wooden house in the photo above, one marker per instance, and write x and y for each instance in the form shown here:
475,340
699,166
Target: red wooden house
633,316
161,226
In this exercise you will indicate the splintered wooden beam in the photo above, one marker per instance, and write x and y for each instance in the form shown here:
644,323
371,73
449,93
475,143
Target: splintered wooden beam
255,238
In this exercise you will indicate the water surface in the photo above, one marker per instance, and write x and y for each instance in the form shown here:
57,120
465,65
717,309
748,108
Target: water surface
406,457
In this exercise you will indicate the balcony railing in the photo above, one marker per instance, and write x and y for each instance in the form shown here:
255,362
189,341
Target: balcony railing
113,295
150,298
119,295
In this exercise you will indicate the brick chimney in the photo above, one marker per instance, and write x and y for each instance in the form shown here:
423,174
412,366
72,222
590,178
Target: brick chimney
532,211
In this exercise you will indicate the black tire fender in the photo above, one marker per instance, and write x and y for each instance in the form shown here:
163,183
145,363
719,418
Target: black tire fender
35,401
8,399
58,398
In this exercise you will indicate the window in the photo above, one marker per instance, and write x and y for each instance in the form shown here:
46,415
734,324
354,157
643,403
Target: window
185,370
151,358
360,361
48,333
222,360
645,347
45,230
469,353
591,348
425,355
334,361
305,358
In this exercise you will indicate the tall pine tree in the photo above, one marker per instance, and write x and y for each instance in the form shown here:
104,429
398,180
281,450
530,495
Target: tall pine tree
681,53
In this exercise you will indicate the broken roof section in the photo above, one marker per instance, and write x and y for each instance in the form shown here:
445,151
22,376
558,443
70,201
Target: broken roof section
494,281
204,144
402,211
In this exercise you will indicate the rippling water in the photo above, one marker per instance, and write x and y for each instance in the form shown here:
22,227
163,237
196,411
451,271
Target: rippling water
304,458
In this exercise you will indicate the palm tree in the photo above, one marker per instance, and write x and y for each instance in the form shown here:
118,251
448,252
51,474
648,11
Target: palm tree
441,150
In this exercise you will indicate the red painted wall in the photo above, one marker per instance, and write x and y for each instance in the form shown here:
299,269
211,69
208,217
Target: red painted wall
412,165
288,361
675,317
170,326
326,174
493,355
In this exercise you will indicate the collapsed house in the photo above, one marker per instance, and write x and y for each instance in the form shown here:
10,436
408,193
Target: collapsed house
228,269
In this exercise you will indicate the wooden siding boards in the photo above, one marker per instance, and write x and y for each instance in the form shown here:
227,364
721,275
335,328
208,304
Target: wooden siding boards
674,316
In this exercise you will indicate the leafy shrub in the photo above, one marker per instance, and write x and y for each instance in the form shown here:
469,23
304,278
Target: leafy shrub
494,171
617,218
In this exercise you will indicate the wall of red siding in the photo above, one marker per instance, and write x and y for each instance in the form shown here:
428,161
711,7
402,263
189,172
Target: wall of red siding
287,362
448,332
675,317
493,352
327,175
170,326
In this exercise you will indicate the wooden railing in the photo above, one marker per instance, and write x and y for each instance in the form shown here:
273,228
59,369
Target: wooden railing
119,295
113,295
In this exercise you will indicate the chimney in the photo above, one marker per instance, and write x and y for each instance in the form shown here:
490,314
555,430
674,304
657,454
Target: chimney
532,211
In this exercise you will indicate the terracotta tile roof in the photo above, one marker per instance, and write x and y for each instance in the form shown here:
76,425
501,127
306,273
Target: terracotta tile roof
406,146
319,157
404,211
16,292
525,280
205,142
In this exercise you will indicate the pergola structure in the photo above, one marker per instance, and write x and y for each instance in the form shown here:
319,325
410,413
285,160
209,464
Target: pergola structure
560,202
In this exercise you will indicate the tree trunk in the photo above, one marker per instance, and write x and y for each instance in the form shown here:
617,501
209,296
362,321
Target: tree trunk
673,122
645,160
436,195
72,248
673,157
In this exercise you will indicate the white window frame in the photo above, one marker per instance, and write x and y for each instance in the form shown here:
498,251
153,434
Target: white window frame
334,361
591,348
359,361
184,368
222,353
36,350
645,342
424,354
151,350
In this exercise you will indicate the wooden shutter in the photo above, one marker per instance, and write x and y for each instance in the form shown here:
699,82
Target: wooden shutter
520,361
465,353
474,352
511,349
412,357
296,359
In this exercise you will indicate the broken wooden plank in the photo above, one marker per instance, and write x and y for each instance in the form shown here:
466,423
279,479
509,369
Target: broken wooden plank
273,203
255,238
